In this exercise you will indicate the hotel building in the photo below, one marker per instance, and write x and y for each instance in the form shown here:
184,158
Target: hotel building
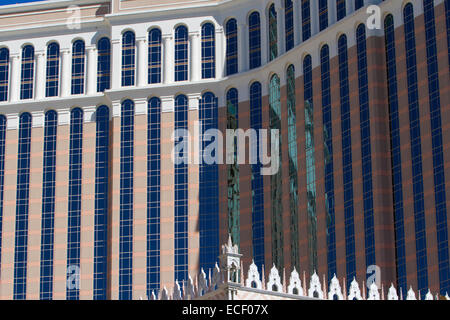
91,91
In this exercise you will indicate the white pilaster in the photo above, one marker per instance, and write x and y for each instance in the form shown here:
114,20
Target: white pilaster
38,119
242,47
12,121
298,22
14,86
167,104
140,106
142,62
264,37
194,101
116,109
314,9
195,56
40,74
220,56
168,54
66,72
116,64
63,117
332,12
91,69
349,6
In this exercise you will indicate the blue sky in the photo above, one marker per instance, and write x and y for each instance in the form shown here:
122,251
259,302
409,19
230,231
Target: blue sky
5,2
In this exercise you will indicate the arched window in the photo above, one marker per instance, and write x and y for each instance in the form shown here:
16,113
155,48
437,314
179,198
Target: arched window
101,203
233,170
366,147
48,205
78,65
22,207
347,156
74,207
289,24
52,81
232,47
323,14
341,10
257,179
396,155
153,195
128,58
276,181
208,51
181,53
209,183
254,29
181,188
104,65
2,172
26,85
306,19
4,73
359,4
273,33
328,158
293,167
154,56
126,200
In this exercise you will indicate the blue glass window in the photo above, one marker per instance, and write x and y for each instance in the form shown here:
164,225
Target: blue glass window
273,33
78,65
289,24
181,53
232,47
74,210
128,58
254,29
209,185
396,156
154,56
416,149
438,152
366,148
276,180
257,180
328,159
233,170
347,160
306,20
104,65
153,196
208,51
2,172
181,191
26,84
101,203
4,73
341,10
359,4
52,81
323,14
293,166
22,203
310,151
48,205
126,200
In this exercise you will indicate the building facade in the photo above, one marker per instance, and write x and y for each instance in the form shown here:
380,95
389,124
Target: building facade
91,91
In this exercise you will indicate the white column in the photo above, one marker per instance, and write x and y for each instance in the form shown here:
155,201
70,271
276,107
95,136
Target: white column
349,5
314,9
264,37
331,12
195,56
281,35
242,47
66,72
298,22
220,50
116,64
91,69
14,86
168,54
142,62
40,75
